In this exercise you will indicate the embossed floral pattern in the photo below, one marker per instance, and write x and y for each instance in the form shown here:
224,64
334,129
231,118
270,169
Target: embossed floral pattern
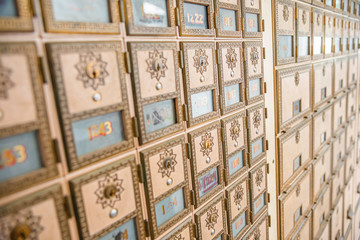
257,234
91,70
259,177
201,61
22,224
286,13
5,81
239,194
167,163
254,56
211,219
156,64
109,191
206,144
235,130
256,119
177,237
231,58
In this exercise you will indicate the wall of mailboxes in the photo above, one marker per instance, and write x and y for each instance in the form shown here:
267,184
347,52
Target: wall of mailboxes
318,172
139,125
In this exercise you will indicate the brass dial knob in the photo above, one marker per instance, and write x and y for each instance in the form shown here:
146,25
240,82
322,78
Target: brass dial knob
20,232
110,191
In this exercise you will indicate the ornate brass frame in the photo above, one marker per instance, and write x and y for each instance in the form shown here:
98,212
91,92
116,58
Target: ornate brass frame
189,91
151,201
186,224
218,164
222,46
53,193
140,101
320,22
245,10
263,218
245,209
279,32
227,155
260,76
21,23
132,29
183,31
252,198
77,183
299,17
237,9
253,162
52,25
41,125
281,73
203,211
281,140
54,51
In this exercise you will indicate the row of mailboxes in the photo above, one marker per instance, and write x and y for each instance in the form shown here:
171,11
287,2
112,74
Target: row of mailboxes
235,18
304,33
107,201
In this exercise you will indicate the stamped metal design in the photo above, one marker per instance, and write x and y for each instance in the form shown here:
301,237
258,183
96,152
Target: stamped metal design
92,70
157,67
201,62
109,191
167,163
211,220
5,81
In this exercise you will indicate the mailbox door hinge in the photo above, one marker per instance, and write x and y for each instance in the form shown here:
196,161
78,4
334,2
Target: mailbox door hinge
128,62
67,205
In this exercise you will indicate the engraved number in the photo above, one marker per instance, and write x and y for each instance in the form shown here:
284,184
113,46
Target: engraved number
197,19
103,129
10,157
170,205
228,21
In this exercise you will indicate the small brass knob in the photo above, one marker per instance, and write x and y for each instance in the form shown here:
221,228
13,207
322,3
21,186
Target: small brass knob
207,144
110,191
20,232
236,130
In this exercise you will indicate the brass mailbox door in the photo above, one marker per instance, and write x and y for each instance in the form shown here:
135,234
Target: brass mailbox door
26,149
107,201
235,146
196,17
228,18
256,133
231,76
303,33
200,81
211,220
258,190
41,215
285,32
167,184
254,72
238,208
206,157
184,232
66,16
251,18
90,89
149,17
156,88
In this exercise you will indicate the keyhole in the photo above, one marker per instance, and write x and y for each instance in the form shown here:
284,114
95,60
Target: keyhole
207,144
157,66
110,191
202,61
167,163
232,58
